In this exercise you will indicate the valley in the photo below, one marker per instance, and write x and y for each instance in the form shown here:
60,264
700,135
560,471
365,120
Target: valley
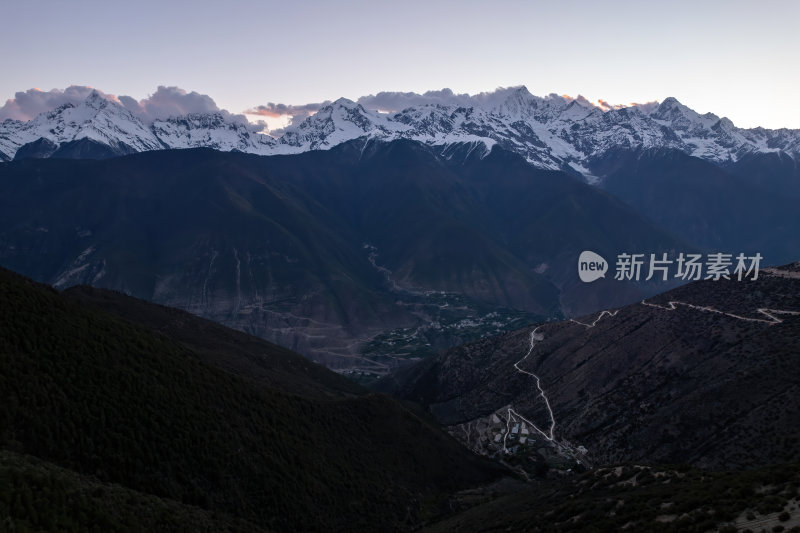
400,267
405,320
566,410
275,246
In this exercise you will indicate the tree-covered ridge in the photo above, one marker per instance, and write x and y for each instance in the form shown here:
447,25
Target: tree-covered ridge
103,397
658,499
36,496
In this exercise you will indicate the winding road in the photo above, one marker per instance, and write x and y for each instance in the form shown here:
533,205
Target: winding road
549,435
769,313
536,337
771,319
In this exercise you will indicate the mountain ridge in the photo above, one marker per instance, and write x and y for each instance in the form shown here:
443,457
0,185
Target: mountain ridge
552,132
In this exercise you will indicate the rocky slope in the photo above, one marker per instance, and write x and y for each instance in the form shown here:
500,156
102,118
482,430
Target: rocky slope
702,374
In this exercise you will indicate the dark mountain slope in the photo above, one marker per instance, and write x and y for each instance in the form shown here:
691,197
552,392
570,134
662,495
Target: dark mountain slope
550,218
39,497
199,231
103,397
321,251
665,499
769,171
715,385
749,207
244,355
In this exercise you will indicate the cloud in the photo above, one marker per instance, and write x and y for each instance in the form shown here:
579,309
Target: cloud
170,102
605,106
131,104
164,103
173,101
385,101
647,107
27,104
279,110
295,113
393,102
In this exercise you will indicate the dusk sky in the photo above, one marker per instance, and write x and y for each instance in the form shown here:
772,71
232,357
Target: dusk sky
734,58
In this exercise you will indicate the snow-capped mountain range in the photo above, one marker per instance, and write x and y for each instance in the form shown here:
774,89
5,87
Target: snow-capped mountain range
551,132
107,123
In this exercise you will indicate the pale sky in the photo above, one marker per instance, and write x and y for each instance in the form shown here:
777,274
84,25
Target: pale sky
734,58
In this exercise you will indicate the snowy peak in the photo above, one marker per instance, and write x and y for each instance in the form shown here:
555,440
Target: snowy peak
343,111
522,105
670,102
337,122
211,130
551,132
518,104
95,100
706,136
681,117
106,123
345,103
95,119
577,111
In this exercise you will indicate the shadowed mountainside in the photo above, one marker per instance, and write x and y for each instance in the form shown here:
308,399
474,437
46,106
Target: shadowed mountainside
324,251
181,414
709,380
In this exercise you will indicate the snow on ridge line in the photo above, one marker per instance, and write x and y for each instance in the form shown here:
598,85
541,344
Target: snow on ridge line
550,132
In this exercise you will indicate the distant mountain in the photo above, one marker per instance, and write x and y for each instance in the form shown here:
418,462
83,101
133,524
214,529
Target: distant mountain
127,416
98,128
96,120
211,130
552,132
702,374
746,206
390,248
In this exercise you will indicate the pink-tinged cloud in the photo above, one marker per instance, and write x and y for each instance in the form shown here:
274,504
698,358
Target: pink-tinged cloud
647,107
296,113
605,106
269,110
